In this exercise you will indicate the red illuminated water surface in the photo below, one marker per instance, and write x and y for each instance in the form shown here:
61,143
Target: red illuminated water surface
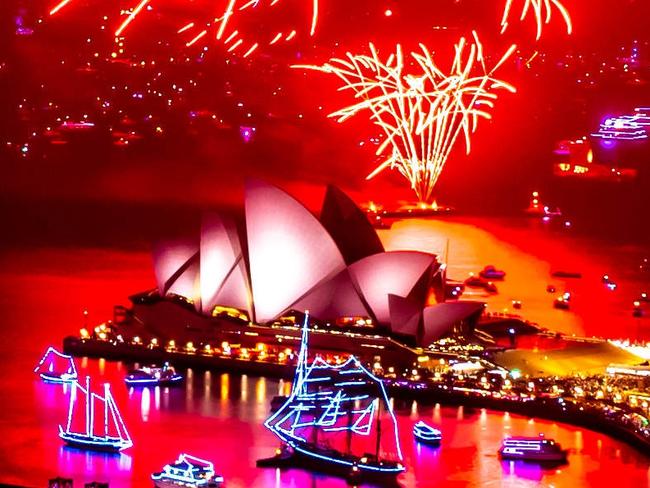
43,292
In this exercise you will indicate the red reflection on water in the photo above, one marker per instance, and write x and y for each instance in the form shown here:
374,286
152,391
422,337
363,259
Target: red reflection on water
43,293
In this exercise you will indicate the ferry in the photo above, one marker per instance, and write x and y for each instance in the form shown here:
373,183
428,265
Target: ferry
425,434
153,376
537,449
187,471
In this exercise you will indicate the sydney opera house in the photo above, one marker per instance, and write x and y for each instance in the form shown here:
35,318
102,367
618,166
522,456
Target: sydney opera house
250,283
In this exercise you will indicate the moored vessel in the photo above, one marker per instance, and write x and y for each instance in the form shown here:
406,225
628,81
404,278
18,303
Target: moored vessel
332,423
539,449
112,436
425,434
56,367
153,376
187,471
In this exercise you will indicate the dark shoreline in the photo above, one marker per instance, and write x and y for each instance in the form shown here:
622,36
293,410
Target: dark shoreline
545,408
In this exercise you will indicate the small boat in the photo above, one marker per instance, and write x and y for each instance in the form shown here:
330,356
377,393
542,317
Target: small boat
333,405
56,367
491,273
563,302
187,471
566,274
112,437
537,449
153,376
425,434
478,282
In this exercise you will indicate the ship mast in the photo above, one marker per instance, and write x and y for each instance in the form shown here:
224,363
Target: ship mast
107,395
378,428
89,409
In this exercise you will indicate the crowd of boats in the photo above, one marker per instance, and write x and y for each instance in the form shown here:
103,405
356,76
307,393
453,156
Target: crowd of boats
329,406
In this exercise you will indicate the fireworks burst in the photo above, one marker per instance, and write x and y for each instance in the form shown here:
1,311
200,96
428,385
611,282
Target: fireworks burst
423,115
542,10
222,28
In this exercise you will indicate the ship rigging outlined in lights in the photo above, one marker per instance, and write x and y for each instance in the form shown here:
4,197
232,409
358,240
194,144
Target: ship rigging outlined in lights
56,367
113,437
332,407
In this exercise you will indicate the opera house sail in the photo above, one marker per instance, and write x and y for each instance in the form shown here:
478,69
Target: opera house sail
248,285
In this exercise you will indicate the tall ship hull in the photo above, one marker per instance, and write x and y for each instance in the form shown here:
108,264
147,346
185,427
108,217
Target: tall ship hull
353,468
336,405
81,441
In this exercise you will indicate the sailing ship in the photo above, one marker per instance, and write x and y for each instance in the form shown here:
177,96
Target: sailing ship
187,471
56,367
332,422
112,436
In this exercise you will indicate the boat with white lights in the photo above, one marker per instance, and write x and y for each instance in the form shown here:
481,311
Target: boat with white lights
425,434
56,367
153,376
112,436
332,423
187,471
539,449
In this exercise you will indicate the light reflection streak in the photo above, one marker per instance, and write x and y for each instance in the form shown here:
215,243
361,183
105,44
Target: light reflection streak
145,404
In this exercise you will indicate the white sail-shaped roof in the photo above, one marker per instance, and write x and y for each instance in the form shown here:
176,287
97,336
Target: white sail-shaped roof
405,315
235,290
334,298
220,255
289,251
168,259
187,284
440,318
389,273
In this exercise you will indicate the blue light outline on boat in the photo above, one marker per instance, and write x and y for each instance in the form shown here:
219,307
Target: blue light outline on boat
167,471
67,377
302,377
91,439
424,432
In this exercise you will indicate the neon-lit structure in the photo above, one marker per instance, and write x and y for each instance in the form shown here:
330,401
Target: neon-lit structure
426,434
542,11
421,114
532,449
187,471
56,367
152,376
625,127
111,436
331,408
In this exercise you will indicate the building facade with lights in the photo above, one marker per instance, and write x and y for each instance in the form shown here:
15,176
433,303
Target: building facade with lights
251,285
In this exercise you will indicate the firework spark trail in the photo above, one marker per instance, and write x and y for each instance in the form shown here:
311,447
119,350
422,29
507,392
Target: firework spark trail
542,10
223,24
422,116
59,6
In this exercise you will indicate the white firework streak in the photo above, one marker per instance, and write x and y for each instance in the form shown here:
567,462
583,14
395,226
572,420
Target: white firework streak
422,116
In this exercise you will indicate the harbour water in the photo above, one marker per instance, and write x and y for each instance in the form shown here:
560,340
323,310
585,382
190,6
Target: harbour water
44,291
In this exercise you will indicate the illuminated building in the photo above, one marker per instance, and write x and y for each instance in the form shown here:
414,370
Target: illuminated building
252,290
